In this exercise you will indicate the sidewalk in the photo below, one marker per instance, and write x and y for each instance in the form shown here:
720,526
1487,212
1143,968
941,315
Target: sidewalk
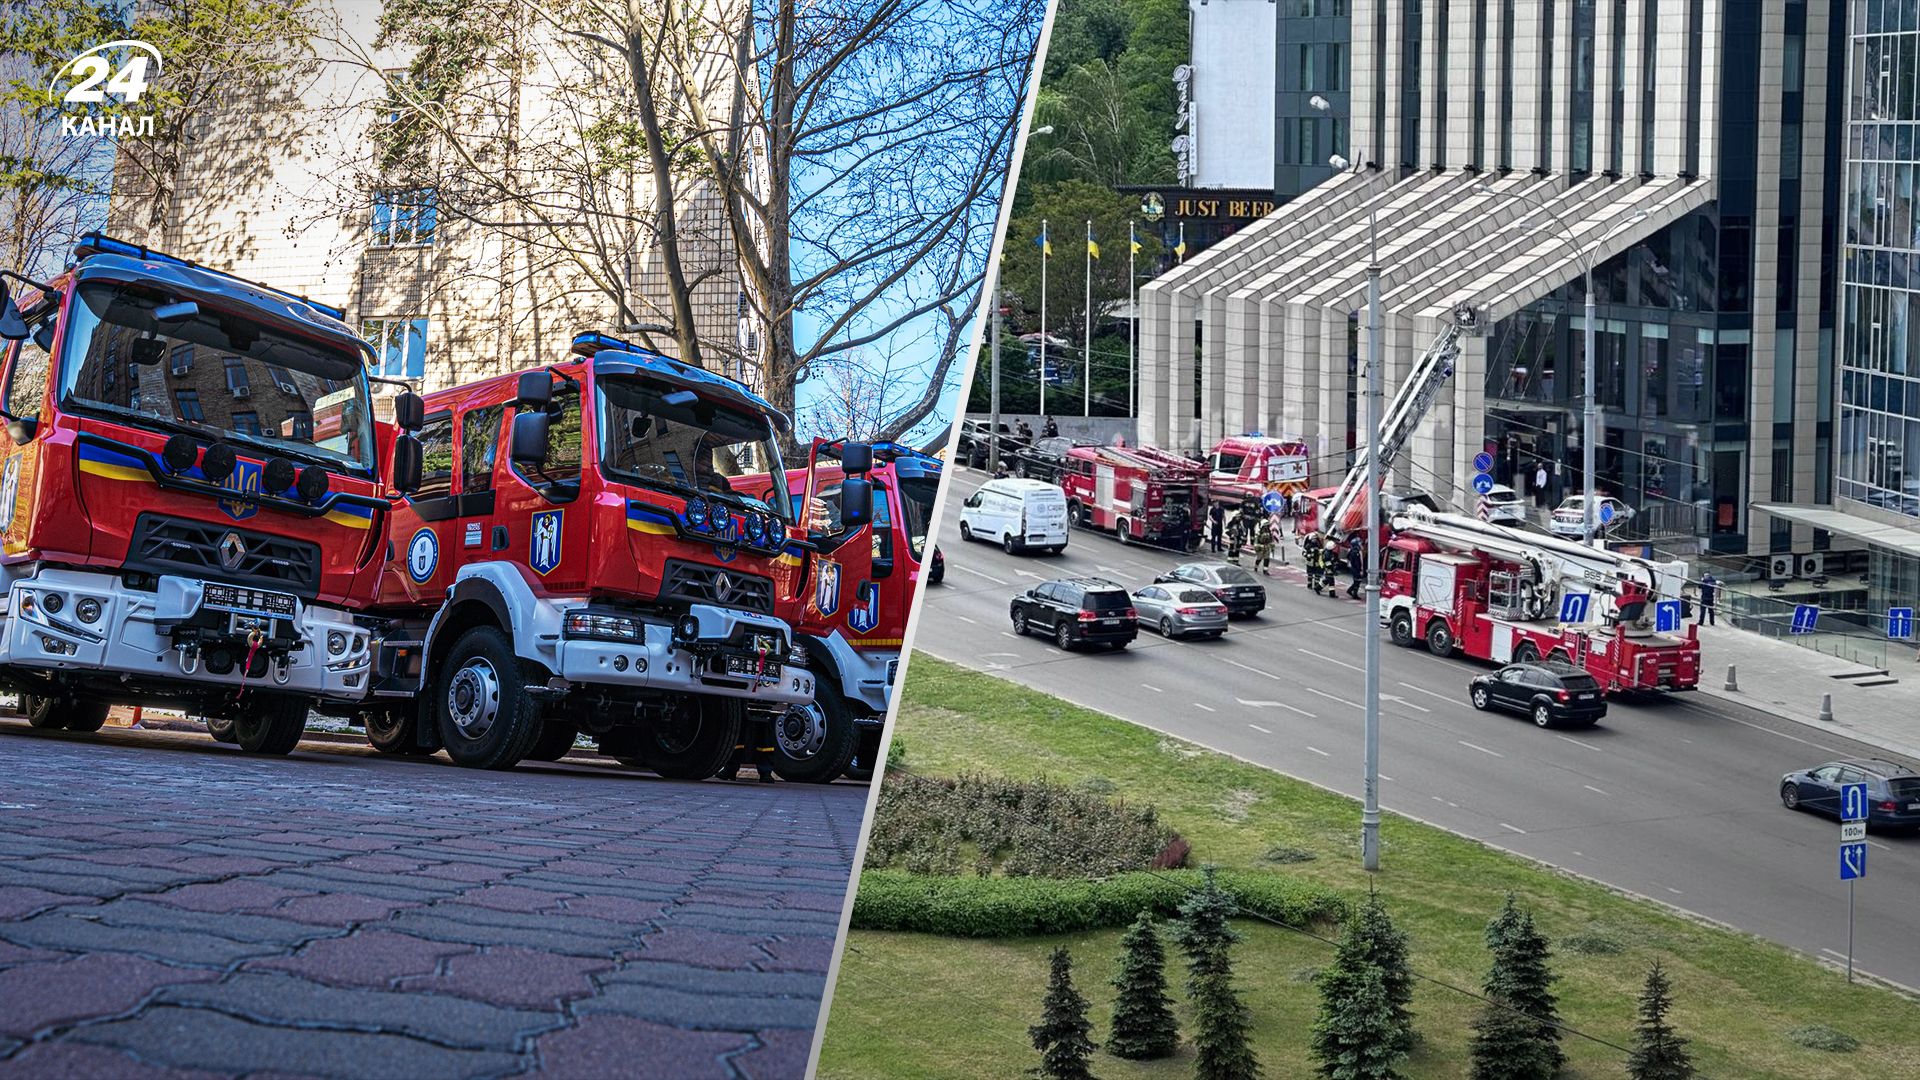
1788,681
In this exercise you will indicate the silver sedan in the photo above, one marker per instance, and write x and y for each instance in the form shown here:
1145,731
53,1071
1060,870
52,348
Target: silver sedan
1180,610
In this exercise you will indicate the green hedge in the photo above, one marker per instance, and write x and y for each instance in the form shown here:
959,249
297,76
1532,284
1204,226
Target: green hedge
1022,906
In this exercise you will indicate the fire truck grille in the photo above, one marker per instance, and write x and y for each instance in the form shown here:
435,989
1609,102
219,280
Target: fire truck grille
201,549
717,585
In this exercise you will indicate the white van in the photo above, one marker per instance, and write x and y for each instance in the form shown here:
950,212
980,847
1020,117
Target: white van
1017,514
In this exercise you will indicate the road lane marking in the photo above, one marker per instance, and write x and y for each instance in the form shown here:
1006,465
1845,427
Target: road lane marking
966,620
1274,705
1397,699
1319,751
1834,953
1331,660
1673,890
1879,845
1595,790
1330,697
1343,630
1207,708
1384,776
1513,828
1255,670
1482,749
1582,745
1424,690
965,569
1011,634
1030,574
1153,688
1263,731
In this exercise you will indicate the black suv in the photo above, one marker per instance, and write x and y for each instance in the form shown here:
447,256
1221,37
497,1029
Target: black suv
1078,611
1554,694
1045,460
972,447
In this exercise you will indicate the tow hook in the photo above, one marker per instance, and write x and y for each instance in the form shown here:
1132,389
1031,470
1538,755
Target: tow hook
189,658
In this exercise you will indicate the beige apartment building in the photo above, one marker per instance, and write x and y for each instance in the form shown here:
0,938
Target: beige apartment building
283,187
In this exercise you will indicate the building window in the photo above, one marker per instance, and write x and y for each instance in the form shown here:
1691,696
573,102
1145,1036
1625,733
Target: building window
187,405
181,360
399,345
300,425
1337,74
237,383
404,217
283,379
1309,73
1310,142
1791,61
246,423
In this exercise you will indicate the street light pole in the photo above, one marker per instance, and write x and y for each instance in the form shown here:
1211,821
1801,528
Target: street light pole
1590,506
993,344
1370,806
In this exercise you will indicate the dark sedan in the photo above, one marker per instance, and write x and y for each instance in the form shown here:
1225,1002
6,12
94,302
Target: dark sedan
1551,693
1239,590
1893,791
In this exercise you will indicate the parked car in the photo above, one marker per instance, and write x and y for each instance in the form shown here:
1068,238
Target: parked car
1178,610
1569,518
1893,791
1504,505
1077,611
1552,693
1400,499
937,569
971,447
1045,459
1019,515
1238,589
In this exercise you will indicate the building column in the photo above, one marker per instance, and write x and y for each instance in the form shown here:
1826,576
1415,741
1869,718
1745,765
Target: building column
1152,357
1181,371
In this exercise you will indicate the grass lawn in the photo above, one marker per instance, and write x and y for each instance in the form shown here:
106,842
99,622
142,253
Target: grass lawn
913,1005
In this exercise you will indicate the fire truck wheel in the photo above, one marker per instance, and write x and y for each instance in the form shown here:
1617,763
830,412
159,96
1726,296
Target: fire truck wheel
696,739
85,716
1525,653
1440,638
487,720
270,723
1123,531
1400,628
43,712
812,744
555,741
391,731
221,728
864,756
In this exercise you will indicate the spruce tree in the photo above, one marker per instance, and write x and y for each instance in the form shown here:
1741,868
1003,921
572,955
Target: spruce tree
1061,1036
1143,1023
1658,1053
1357,1036
1220,1020
1517,1035
1371,936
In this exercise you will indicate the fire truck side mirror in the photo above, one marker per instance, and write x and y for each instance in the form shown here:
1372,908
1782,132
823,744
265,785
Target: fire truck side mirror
534,391
856,458
408,457
12,326
856,502
409,411
529,436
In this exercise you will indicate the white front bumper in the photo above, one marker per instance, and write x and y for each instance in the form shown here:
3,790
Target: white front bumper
657,663
126,638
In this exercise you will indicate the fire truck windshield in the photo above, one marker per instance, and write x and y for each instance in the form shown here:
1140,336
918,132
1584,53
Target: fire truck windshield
916,508
692,447
214,374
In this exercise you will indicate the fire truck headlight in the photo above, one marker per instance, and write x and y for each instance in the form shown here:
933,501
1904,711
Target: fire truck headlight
53,602
757,528
589,624
313,483
28,605
797,655
88,609
277,476
180,452
336,642
217,462
697,512
686,629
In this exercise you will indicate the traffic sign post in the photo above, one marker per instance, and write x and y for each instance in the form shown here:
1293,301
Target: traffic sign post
1805,617
1272,503
1666,616
1899,623
1573,607
1482,483
1483,462
1853,850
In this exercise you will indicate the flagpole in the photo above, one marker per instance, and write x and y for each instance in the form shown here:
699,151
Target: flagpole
1086,357
1133,311
1043,320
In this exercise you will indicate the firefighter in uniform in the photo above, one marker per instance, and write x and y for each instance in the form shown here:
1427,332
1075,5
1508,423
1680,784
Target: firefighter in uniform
1310,555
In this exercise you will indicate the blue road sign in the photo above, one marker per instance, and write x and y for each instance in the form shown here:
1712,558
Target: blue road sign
1853,861
1899,623
1482,483
1804,618
1483,462
1666,616
1606,512
1853,802
1272,502
1573,607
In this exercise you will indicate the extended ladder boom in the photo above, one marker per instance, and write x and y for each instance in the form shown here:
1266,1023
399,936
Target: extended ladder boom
1404,413
1557,562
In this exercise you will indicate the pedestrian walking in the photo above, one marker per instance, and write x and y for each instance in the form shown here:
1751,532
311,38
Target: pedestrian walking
1540,484
1709,597
1216,523
1357,566
1310,558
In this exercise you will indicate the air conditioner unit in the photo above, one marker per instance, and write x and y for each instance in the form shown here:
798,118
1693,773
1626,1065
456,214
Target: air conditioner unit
243,391
1779,567
1810,566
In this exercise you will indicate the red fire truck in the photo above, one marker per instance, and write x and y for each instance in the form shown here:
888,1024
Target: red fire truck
851,604
1496,593
582,557
193,499
1244,468
1137,493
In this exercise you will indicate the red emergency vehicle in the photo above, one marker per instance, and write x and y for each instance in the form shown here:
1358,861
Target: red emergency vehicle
851,604
193,500
1494,593
1244,468
1137,493
582,556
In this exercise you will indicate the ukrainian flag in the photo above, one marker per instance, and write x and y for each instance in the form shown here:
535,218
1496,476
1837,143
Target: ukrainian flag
1041,241
1133,238
1093,246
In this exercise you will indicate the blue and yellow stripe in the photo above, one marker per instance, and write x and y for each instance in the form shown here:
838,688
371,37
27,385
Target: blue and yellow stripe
648,520
112,464
351,515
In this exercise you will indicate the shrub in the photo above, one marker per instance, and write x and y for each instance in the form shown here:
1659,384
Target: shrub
896,754
1822,1037
1016,907
1019,828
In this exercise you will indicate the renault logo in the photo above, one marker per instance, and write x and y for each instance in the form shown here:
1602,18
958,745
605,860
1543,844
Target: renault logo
232,550
723,587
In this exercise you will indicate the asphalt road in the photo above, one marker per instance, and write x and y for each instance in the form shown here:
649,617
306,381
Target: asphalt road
171,907
1676,799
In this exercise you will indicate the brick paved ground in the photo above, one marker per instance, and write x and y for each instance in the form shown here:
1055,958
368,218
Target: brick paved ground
172,908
